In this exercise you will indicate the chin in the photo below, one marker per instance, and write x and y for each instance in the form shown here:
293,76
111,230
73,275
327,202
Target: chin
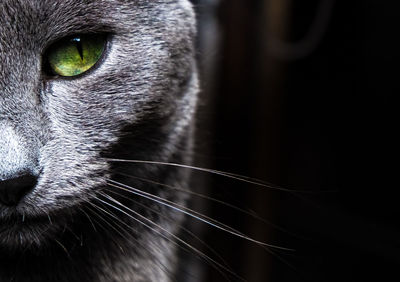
22,233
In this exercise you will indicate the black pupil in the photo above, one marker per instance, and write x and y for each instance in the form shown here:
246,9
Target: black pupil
78,44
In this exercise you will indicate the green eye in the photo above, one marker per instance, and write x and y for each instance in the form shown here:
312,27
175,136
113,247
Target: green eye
75,55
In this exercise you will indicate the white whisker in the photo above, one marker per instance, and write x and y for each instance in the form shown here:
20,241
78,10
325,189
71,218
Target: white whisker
242,178
202,196
180,226
193,214
198,252
120,225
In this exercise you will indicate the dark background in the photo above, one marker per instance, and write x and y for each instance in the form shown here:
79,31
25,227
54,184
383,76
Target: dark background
301,94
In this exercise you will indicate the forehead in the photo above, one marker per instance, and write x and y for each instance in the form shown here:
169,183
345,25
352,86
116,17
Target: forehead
40,15
28,23
34,24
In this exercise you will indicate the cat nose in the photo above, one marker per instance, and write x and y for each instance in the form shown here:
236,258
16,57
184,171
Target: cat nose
12,190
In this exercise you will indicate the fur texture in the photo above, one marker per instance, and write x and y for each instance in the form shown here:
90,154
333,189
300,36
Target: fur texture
137,103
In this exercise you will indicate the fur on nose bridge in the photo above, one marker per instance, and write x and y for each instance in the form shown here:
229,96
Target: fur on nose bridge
15,154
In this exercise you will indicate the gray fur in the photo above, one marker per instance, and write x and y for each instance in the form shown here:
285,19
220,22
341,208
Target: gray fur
138,103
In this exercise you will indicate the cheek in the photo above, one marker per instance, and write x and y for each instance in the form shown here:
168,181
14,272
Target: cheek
71,171
80,116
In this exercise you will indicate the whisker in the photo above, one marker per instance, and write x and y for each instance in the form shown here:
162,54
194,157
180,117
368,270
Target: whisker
48,216
104,228
202,196
242,178
180,226
107,213
193,214
111,215
63,247
36,239
198,252
88,217
265,246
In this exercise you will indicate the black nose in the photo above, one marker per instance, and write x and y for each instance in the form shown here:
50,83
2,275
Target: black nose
14,189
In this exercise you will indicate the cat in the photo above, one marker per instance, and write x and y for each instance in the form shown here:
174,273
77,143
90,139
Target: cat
85,85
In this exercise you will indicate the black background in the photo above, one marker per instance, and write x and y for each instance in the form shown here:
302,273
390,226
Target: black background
323,121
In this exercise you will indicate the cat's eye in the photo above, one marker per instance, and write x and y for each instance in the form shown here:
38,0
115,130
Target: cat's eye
75,55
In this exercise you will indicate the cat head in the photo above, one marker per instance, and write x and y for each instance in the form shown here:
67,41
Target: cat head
56,129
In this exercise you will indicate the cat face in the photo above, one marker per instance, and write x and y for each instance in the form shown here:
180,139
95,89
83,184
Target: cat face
58,129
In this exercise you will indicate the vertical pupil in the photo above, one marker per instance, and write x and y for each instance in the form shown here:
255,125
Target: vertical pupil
78,45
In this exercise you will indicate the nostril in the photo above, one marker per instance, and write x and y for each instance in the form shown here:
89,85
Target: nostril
14,189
